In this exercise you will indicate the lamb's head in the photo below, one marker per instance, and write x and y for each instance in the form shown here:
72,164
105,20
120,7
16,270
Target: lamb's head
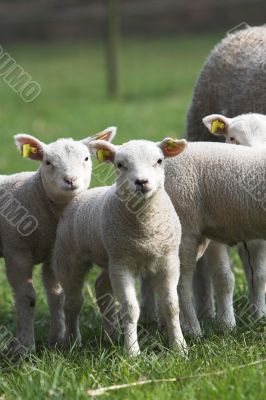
65,164
245,129
139,164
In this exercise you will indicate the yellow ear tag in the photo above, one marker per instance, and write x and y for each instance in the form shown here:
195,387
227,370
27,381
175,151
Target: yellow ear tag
171,144
27,149
102,155
216,125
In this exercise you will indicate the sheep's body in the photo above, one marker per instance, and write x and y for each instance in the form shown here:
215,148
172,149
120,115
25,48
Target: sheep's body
218,192
30,206
101,227
80,229
248,130
232,81
28,190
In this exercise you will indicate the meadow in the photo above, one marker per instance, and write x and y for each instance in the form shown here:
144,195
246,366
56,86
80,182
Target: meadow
157,79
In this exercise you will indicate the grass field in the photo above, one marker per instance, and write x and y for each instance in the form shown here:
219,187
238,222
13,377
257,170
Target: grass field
157,79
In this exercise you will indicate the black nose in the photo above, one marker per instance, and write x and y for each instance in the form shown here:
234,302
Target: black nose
141,182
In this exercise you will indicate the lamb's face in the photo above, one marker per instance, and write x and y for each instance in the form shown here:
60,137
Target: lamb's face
65,164
246,129
140,168
66,168
139,164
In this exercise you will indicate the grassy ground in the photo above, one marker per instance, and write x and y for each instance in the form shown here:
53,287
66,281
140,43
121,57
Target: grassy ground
157,80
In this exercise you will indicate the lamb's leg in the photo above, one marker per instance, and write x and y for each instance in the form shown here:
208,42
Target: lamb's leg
148,309
188,316
223,282
123,284
203,290
257,264
19,273
55,297
166,284
71,277
106,304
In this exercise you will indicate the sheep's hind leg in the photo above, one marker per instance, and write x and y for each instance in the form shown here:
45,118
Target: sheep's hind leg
166,285
188,256
19,273
106,304
55,298
255,264
123,284
203,290
72,276
223,281
148,310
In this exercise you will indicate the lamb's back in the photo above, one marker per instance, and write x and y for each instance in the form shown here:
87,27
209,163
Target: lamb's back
219,189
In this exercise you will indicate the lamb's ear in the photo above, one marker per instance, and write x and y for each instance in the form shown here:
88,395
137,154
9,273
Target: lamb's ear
217,124
107,134
172,147
104,151
29,146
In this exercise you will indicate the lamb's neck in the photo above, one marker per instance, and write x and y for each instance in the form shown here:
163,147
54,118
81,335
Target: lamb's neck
55,204
141,211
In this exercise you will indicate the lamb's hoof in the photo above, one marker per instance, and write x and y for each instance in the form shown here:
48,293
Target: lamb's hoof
226,324
133,351
180,347
258,313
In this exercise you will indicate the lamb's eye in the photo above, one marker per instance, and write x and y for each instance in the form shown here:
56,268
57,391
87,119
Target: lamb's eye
119,165
87,159
159,161
232,139
47,162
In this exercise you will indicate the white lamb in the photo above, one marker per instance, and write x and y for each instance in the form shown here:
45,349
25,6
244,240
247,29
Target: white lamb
129,228
247,130
218,191
30,206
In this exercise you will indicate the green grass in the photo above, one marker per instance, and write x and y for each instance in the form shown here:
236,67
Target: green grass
157,78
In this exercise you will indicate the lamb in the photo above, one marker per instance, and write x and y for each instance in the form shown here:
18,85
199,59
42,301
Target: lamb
218,191
245,129
30,206
248,130
129,228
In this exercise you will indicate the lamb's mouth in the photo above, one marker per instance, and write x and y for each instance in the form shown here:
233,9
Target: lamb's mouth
143,192
71,188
